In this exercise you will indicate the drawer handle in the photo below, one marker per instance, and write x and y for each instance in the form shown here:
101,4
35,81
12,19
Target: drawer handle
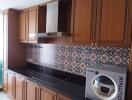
92,44
95,44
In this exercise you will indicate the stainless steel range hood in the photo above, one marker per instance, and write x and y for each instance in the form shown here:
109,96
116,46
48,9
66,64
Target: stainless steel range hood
58,19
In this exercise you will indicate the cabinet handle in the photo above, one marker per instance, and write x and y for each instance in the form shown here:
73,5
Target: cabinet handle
37,93
95,44
92,44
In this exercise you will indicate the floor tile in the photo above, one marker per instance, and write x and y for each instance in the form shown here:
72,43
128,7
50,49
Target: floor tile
3,96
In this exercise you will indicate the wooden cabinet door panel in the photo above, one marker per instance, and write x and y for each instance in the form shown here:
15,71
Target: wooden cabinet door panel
82,21
61,97
46,94
32,24
32,21
129,25
111,22
31,90
23,26
19,87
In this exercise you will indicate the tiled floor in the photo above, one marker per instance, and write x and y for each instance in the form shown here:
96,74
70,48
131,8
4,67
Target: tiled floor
3,96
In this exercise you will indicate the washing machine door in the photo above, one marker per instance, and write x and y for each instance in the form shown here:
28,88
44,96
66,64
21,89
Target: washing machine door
104,87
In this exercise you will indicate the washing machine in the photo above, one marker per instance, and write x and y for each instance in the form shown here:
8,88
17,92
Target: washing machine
106,82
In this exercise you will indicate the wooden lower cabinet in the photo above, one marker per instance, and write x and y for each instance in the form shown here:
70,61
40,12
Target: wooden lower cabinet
62,97
32,91
19,82
35,92
46,94
11,85
20,88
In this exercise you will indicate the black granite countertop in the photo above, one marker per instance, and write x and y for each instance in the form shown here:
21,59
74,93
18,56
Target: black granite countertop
65,83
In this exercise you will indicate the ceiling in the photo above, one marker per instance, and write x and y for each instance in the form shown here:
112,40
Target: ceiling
19,4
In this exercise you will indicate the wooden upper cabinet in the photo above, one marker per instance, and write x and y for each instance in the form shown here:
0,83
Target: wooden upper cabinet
19,87
111,22
32,23
82,29
129,25
130,10
101,22
32,20
23,27
41,20
46,94
129,91
62,97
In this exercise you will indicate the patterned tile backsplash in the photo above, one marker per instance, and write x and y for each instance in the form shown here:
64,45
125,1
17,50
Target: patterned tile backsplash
75,58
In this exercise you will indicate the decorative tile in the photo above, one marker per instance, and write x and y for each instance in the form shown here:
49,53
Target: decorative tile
104,58
117,59
75,58
92,56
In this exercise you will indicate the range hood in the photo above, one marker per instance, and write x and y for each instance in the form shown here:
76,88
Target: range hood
58,19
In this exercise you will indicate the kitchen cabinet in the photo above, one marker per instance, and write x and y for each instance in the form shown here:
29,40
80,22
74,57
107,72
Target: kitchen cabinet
12,44
20,88
53,17
129,90
82,25
101,22
129,26
11,85
111,23
5,74
32,21
19,82
23,26
62,97
46,94
31,92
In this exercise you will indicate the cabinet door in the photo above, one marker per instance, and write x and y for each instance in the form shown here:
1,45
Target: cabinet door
61,97
46,94
23,32
111,22
82,29
31,91
11,85
129,25
5,81
32,24
19,87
